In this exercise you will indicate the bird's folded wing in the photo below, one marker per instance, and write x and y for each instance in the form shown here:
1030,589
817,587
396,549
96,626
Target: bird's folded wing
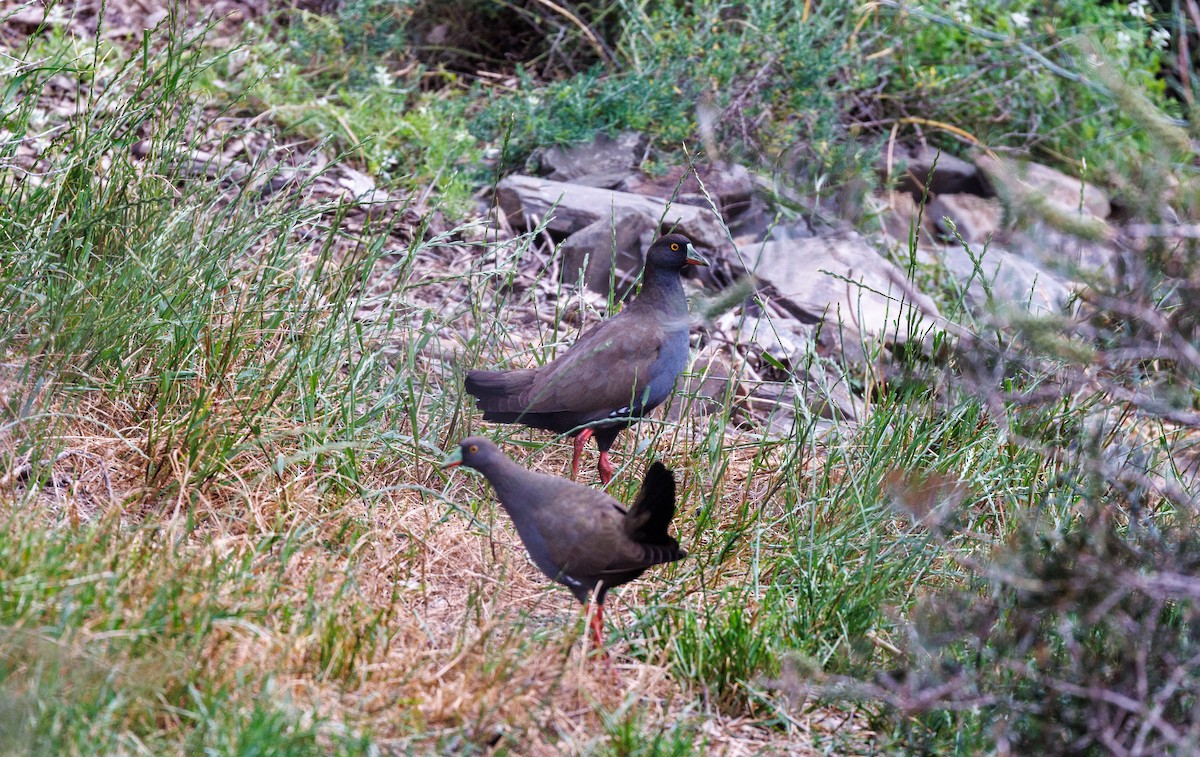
584,537
609,552
608,369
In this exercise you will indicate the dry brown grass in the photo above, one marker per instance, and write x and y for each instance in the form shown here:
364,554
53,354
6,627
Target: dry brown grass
433,623
399,603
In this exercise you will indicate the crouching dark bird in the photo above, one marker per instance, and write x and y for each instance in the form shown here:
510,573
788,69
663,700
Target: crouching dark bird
616,373
578,536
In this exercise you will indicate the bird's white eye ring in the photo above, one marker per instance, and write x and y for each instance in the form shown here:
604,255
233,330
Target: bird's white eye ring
473,448
675,246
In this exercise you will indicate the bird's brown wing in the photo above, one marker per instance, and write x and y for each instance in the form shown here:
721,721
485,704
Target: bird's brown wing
589,536
580,529
607,369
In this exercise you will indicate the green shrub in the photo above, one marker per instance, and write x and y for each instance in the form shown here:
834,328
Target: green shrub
405,137
1014,74
352,43
764,75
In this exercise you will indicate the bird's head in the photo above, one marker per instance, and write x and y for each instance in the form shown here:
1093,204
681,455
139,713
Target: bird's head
673,252
473,452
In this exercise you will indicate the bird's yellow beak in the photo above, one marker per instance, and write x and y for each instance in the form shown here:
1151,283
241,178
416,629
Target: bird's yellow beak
454,460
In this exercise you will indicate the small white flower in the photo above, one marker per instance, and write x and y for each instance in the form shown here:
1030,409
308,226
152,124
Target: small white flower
1160,38
958,9
1019,20
1124,40
1140,9
382,76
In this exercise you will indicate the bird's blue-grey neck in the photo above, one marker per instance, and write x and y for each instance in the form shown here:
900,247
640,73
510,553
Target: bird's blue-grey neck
506,477
662,288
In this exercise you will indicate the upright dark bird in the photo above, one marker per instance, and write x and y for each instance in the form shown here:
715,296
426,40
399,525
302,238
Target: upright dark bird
616,373
578,536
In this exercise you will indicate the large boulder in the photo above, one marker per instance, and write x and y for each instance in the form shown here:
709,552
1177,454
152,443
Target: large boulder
603,162
992,278
845,282
567,208
1066,194
604,248
916,166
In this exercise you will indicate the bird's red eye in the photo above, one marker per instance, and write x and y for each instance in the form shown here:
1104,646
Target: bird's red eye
473,448
675,246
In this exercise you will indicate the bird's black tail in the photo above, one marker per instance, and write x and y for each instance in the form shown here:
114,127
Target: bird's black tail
501,395
650,515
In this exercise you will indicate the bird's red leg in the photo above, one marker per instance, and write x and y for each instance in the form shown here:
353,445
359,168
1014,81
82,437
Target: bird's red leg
578,444
598,628
606,468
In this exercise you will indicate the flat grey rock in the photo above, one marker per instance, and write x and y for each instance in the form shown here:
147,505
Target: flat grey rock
975,219
1062,253
897,214
728,187
776,405
603,162
845,282
1013,281
704,388
784,339
912,166
1068,194
567,208
598,250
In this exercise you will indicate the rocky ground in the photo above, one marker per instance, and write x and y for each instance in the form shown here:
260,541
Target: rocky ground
992,236
812,300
